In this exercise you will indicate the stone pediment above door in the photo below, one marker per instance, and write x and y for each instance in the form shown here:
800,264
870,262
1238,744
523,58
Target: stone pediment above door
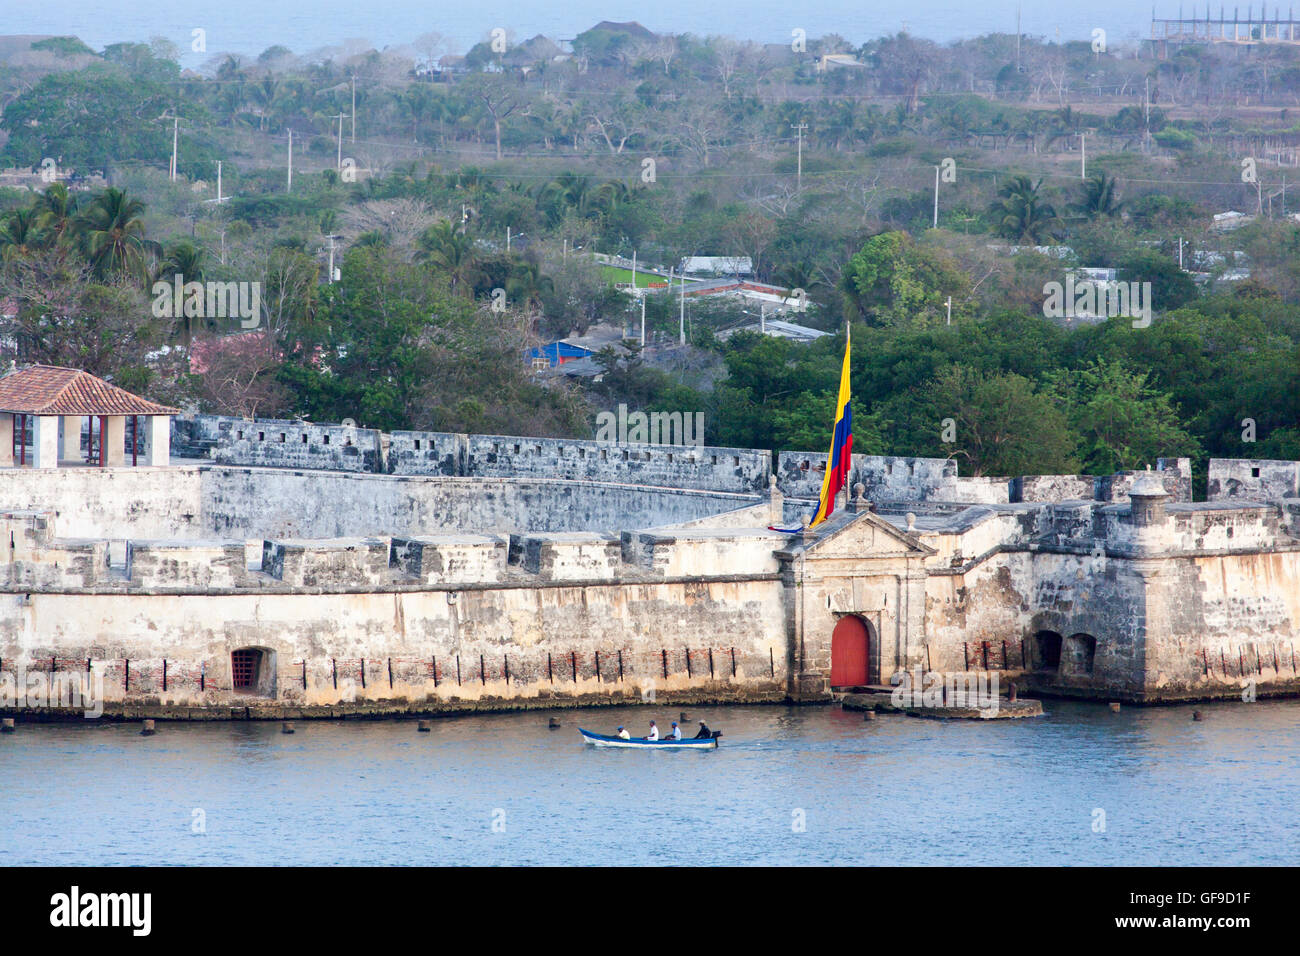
860,535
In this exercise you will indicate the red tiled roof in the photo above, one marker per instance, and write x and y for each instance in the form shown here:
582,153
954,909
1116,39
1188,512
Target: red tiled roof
51,390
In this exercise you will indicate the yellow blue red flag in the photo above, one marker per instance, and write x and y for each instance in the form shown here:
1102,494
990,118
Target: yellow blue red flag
840,461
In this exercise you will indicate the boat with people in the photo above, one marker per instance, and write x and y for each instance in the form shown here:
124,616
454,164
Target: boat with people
667,743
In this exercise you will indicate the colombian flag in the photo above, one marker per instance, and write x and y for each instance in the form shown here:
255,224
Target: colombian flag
840,461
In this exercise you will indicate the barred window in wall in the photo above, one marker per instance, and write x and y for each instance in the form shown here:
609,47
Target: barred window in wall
243,669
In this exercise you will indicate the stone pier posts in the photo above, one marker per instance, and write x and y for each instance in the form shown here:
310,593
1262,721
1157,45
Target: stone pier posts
70,446
45,439
115,441
159,440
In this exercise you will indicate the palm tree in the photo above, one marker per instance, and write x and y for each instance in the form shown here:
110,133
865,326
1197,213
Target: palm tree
565,193
184,259
1099,196
112,231
451,251
1021,214
264,94
527,285
56,209
20,234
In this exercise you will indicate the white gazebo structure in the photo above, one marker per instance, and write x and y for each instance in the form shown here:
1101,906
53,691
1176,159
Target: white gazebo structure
51,403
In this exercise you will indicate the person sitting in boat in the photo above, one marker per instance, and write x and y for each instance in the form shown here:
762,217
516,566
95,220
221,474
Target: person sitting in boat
654,732
675,733
622,732
704,733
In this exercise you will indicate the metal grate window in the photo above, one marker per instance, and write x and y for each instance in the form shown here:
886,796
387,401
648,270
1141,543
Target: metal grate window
243,669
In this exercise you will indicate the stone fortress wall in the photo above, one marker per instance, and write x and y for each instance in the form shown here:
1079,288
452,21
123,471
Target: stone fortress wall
424,572
286,444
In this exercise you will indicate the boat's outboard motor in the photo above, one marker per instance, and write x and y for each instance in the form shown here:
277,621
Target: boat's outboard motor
715,734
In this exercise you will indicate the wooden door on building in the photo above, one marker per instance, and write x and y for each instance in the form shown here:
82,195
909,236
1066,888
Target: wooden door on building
850,651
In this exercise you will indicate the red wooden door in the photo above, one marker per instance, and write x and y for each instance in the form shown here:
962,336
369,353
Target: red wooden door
849,646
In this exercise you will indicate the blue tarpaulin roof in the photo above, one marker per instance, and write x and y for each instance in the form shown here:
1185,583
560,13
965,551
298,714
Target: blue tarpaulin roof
557,352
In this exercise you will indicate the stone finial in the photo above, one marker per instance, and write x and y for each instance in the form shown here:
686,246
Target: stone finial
775,500
911,522
859,502
807,533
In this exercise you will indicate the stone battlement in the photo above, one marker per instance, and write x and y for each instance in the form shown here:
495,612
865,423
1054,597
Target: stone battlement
349,571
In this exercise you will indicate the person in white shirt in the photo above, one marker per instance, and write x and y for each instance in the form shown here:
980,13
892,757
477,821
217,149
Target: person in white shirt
622,732
676,732
654,732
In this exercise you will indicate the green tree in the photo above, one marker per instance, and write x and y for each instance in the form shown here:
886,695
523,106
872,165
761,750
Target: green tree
1122,422
95,116
894,281
20,233
1171,287
1021,214
451,252
806,423
1000,424
112,231
1099,196
57,211
183,259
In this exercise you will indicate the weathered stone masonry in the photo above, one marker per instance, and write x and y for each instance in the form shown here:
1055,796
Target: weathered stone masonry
358,591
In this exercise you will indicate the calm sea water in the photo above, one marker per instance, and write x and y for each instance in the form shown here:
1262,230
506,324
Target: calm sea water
1221,791
250,26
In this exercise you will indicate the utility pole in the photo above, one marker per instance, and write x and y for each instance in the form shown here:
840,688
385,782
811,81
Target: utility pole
936,197
642,321
339,165
289,187
507,240
218,182
1180,252
681,326
176,125
354,107
330,278
1146,108
564,251
634,271
799,127
949,304
1083,155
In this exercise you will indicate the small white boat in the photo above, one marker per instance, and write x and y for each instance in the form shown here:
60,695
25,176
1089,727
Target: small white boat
686,743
